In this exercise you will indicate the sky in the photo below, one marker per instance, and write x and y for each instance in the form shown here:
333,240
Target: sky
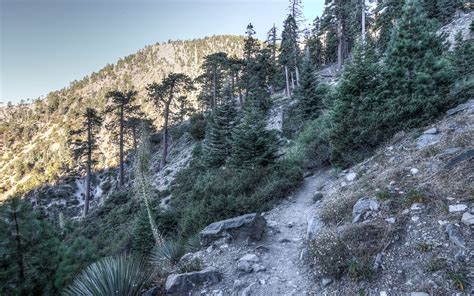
46,44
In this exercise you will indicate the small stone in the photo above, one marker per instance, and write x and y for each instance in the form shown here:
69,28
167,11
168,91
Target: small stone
467,219
431,131
250,258
290,225
455,236
209,249
284,240
390,220
457,208
416,206
239,284
419,294
383,293
405,211
442,222
262,282
414,171
351,177
415,218
258,268
362,206
245,266
326,281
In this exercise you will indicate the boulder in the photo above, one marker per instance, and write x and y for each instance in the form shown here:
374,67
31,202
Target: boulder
362,206
238,228
314,226
185,282
467,155
468,219
427,140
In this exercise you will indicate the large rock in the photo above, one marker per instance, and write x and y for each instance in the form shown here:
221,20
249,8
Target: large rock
247,263
427,140
465,156
314,226
469,105
185,282
362,206
238,228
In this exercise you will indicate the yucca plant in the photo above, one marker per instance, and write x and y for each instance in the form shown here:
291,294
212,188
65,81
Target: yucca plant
119,276
168,252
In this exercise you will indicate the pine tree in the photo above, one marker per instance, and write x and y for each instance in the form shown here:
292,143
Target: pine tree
212,80
463,61
388,13
251,47
252,144
259,76
170,95
28,252
417,76
122,107
289,51
310,93
354,112
218,142
91,125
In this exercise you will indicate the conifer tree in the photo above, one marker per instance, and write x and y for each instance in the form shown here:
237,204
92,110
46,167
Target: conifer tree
91,125
251,47
212,80
218,141
170,96
122,107
252,144
388,12
235,67
463,61
354,113
417,77
28,252
289,51
310,93
260,75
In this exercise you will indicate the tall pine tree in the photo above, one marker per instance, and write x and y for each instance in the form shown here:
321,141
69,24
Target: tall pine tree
417,77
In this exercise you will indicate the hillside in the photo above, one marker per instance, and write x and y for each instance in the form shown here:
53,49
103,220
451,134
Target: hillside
34,148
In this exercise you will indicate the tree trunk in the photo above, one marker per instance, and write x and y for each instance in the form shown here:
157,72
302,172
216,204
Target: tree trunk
214,90
297,76
88,169
165,131
292,81
21,266
363,24
241,100
287,82
122,179
339,46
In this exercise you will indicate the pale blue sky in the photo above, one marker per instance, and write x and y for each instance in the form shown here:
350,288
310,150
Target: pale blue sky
45,44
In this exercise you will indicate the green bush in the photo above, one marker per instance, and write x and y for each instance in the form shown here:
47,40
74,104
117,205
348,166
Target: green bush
197,126
311,147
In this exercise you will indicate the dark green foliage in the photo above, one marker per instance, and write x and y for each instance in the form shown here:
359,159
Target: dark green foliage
310,93
142,236
389,12
197,126
217,146
289,51
28,250
353,114
214,67
417,77
203,195
252,144
462,58
259,74
74,258
168,252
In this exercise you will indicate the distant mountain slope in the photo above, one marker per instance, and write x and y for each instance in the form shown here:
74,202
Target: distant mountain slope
34,136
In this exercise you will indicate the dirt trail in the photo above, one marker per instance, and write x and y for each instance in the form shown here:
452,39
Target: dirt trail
279,251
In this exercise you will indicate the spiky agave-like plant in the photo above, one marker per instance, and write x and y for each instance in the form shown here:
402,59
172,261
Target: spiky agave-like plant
121,275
